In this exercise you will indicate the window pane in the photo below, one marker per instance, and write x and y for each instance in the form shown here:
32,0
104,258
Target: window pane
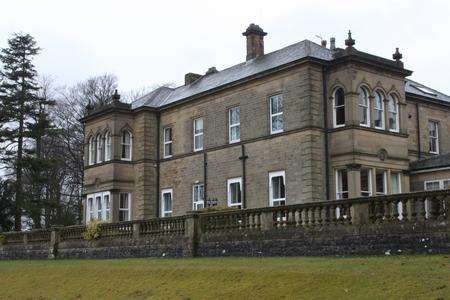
276,104
366,189
446,184
363,115
167,134
380,180
235,133
278,188
432,185
277,123
123,201
395,183
168,149
234,115
198,126
235,192
342,184
198,139
340,115
339,97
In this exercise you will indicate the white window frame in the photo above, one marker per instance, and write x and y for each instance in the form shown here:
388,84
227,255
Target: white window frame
127,209
93,210
364,91
169,142
108,146
384,183
99,144
129,145
198,134
394,99
383,123
440,181
335,107
229,182
433,138
369,178
166,213
235,125
338,175
272,115
272,175
92,151
197,202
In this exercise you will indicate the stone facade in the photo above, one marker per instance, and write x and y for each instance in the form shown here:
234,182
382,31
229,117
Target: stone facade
310,149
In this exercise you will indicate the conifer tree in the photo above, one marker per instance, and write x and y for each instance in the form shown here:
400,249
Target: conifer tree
19,103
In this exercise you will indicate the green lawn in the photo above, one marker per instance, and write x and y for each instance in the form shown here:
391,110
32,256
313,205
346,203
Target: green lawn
393,277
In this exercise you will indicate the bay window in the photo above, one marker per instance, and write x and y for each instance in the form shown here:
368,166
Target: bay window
341,184
126,145
379,111
364,107
393,113
338,108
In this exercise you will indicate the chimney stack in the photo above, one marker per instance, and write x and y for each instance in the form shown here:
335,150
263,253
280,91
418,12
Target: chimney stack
332,44
190,78
255,41
324,43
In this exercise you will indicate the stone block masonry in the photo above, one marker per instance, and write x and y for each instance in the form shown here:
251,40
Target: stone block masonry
407,223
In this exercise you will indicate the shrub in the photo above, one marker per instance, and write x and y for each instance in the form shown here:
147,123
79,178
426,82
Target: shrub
2,239
93,230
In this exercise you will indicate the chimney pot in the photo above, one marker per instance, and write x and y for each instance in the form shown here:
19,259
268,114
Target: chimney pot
190,78
324,43
255,41
332,43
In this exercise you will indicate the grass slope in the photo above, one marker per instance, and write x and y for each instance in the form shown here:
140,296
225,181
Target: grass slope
394,277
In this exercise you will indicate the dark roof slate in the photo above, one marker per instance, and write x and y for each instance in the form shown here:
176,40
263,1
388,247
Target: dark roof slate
438,161
419,89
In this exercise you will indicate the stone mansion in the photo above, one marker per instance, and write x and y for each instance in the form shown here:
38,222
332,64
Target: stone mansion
301,124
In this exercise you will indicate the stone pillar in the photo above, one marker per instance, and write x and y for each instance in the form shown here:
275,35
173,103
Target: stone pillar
388,182
54,242
354,180
192,234
405,183
266,220
351,108
136,230
115,202
372,110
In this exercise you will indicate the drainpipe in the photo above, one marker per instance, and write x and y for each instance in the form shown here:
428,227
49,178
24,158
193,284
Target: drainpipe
243,158
418,131
325,118
158,126
205,178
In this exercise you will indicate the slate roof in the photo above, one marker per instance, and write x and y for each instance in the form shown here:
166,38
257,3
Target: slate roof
438,161
164,96
422,90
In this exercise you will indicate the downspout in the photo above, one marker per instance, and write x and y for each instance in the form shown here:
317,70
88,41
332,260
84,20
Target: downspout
205,179
243,158
418,131
158,126
325,118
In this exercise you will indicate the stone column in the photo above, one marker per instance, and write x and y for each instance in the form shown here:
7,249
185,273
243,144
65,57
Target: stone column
372,110
351,108
354,180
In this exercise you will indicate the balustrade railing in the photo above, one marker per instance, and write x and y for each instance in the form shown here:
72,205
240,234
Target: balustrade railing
408,207
162,226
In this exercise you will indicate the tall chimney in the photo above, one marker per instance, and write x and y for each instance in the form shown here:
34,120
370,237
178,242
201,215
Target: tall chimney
332,43
255,41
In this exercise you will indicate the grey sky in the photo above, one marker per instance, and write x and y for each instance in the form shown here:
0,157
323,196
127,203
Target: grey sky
151,42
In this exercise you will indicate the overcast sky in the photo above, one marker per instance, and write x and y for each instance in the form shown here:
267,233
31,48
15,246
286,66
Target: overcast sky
152,42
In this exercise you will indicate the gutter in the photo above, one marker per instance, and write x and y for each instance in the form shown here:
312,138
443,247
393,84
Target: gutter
418,131
158,125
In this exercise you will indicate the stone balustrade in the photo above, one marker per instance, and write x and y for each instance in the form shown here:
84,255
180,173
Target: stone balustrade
195,228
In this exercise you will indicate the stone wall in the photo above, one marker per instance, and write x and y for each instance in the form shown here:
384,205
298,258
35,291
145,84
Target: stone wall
359,226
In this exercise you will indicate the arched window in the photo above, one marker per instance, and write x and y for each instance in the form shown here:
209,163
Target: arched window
92,151
393,113
363,104
126,145
379,110
338,107
99,141
108,148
